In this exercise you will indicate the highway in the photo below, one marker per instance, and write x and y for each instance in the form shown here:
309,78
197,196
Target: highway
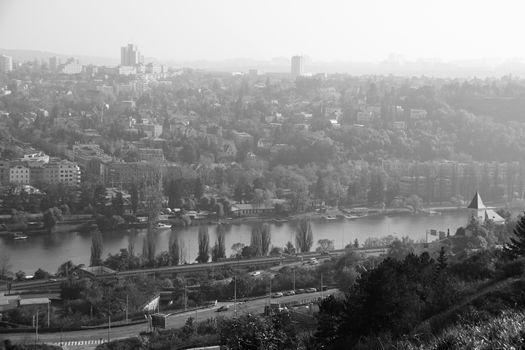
90,337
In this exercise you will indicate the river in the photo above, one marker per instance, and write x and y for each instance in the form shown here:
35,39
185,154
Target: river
49,251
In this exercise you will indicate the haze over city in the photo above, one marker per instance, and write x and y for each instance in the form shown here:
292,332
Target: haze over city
217,30
252,175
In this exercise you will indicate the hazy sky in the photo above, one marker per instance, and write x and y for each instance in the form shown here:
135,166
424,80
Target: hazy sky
347,30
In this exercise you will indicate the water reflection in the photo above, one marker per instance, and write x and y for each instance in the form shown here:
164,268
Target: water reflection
49,251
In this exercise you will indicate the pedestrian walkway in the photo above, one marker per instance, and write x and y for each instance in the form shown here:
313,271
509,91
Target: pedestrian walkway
79,342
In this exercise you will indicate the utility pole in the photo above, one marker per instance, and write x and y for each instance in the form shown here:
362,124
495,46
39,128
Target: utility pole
321,285
36,327
235,295
294,279
48,310
127,321
270,295
185,297
109,327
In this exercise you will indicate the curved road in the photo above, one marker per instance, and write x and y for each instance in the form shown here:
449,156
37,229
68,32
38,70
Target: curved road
175,321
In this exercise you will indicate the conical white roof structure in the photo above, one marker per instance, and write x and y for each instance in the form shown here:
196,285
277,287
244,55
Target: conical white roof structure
477,203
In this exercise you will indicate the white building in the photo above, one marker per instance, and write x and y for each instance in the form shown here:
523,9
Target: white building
130,55
64,172
480,213
19,174
6,64
72,66
416,114
297,66
54,63
127,70
39,157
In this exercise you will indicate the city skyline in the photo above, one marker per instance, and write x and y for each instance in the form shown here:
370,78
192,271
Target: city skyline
357,32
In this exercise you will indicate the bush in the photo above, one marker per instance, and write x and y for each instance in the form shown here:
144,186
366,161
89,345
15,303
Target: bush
124,344
512,269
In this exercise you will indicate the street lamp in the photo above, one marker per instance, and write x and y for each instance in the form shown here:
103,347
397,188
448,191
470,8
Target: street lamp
294,279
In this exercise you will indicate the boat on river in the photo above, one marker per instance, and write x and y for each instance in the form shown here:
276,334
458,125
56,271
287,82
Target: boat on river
161,225
430,212
18,236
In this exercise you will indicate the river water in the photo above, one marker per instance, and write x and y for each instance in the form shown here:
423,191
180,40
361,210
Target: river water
49,251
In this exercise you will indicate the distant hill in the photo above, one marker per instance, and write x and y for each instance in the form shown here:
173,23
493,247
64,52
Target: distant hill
30,55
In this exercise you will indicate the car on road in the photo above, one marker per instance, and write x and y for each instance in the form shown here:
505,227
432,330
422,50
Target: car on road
311,290
299,291
289,292
255,273
223,308
277,295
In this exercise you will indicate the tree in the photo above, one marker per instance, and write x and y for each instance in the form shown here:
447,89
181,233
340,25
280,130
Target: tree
325,245
289,248
41,274
276,251
204,245
237,248
198,190
415,203
249,252
219,249
96,248
390,298
304,236
118,204
174,249
399,249
328,320
266,239
442,259
148,249
99,198
134,198
51,217
174,191
189,153
20,275
67,269
219,210
5,266
252,332
356,243
516,247
256,241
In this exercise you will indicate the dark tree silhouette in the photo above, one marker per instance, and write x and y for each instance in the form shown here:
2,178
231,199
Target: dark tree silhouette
516,247
204,245
304,237
96,248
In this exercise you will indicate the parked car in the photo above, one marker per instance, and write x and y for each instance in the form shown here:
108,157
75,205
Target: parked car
299,291
277,295
255,273
288,293
223,308
311,290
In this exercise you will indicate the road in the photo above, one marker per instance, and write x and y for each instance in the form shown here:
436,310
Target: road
90,338
53,284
